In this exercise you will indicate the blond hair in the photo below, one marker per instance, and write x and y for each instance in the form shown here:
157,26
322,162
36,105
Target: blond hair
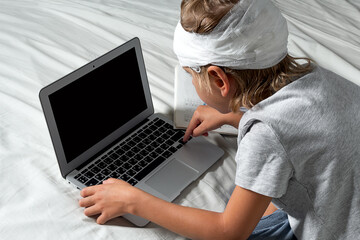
252,85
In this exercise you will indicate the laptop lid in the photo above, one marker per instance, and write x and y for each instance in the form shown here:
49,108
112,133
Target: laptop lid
97,104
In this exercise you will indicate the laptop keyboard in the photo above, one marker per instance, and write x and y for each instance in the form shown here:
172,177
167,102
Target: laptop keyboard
137,156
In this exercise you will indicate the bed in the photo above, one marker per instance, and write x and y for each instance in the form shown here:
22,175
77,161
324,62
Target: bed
42,40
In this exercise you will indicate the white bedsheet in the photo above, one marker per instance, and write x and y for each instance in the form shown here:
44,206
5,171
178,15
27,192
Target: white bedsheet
42,40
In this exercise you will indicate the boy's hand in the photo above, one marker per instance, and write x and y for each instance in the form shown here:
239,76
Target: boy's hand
204,119
111,199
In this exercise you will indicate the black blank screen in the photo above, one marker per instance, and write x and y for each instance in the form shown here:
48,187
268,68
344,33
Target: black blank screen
92,107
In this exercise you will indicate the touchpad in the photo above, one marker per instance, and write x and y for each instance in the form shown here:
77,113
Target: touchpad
172,178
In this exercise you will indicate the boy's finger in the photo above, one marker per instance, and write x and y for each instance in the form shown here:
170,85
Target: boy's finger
110,180
88,191
189,130
199,130
91,211
187,134
86,202
102,219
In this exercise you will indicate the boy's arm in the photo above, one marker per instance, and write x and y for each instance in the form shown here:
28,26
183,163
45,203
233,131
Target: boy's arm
115,197
206,118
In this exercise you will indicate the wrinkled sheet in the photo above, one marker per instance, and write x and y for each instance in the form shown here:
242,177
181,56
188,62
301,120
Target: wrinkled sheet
41,41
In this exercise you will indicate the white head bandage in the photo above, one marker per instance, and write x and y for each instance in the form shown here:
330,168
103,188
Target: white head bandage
252,35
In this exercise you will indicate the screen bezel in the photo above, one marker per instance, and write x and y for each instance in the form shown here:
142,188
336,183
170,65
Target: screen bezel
65,167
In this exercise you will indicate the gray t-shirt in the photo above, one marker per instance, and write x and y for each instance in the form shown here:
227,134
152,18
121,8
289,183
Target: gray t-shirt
301,146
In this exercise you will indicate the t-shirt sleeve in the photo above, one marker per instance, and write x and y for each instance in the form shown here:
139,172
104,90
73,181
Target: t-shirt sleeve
262,163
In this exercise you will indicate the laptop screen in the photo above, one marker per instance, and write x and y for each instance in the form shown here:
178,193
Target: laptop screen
95,105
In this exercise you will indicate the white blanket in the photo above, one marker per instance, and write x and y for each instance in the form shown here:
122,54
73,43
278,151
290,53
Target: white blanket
42,40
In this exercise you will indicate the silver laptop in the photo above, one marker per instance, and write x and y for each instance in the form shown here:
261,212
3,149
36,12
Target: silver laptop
102,124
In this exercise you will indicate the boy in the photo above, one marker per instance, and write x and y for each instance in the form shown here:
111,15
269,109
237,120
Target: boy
298,143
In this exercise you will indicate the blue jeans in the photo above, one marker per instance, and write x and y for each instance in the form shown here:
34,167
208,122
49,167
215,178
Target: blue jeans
273,227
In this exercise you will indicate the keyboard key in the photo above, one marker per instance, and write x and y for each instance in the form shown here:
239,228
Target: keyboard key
118,163
137,139
133,161
131,172
154,144
142,135
138,157
114,156
127,165
102,165
91,182
141,145
131,143
177,136
130,154
108,160
137,168
112,167
100,176
125,147
95,169
125,177
144,152
173,149
142,163
82,179
147,141
164,146
152,137
153,127
136,149
159,122
149,168
153,154
170,142
120,151
159,151
89,174
149,148
120,170
157,133
170,132
148,159
132,181
163,129
160,140
166,136
114,175
166,154
106,171
124,158
147,131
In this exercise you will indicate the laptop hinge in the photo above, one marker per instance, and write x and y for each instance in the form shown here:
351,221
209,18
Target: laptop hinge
112,144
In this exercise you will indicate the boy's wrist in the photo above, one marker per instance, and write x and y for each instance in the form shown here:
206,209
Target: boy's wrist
138,200
134,201
233,118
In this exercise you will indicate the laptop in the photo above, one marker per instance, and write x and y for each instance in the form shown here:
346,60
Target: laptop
102,124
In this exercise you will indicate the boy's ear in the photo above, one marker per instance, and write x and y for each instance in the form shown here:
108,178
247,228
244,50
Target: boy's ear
219,79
